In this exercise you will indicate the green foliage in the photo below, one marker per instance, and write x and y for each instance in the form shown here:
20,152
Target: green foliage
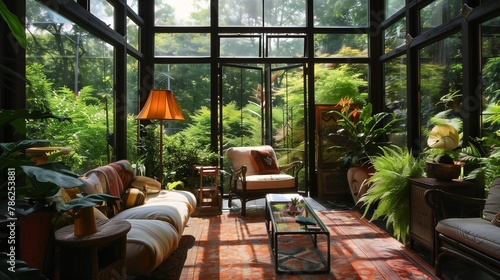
85,135
365,132
14,24
181,153
333,84
85,201
484,164
389,191
176,185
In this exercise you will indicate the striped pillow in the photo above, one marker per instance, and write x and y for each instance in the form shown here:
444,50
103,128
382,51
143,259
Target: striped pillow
133,197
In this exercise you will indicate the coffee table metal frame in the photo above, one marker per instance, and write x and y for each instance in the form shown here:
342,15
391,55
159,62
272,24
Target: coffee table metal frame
275,228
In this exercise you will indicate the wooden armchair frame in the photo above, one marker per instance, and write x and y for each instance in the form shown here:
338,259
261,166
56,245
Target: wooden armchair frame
239,183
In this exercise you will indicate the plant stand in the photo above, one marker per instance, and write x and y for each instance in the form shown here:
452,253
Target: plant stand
96,256
207,193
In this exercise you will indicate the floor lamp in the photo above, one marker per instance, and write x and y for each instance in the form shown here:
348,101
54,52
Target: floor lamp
160,106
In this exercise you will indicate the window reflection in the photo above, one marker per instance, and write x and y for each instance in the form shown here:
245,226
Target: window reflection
490,51
441,84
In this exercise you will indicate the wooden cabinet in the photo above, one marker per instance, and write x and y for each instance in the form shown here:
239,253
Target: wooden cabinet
421,219
330,145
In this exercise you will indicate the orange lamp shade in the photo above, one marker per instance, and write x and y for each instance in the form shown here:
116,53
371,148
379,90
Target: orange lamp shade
160,105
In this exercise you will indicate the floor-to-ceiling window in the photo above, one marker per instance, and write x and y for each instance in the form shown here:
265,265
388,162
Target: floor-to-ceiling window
303,53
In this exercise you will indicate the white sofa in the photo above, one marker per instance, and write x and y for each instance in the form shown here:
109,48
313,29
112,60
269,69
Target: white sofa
157,216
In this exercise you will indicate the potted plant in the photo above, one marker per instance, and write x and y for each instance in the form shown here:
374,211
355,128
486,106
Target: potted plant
442,140
294,203
81,209
389,193
366,133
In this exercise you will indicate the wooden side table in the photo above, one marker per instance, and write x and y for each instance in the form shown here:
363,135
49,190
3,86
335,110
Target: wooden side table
209,196
96,256
422,223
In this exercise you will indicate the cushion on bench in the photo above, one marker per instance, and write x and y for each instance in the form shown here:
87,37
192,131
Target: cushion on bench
268,181
476,233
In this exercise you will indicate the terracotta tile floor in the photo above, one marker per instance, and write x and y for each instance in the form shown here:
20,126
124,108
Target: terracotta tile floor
233,247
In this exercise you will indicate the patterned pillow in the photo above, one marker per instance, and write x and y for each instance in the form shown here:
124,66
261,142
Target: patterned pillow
133,197
496,220
91,184
264,162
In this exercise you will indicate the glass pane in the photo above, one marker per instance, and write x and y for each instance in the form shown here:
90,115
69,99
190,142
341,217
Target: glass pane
240,12
341,45
396,95
103,11
439,12
441,85
190,84
132,34
392,6
186,44
395,35
244,46
490,78
336,81
182,13
285,13
340,13
185,142
285,47
132,107
71,74
134,5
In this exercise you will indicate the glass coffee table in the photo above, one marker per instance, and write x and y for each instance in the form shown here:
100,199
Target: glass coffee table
300,242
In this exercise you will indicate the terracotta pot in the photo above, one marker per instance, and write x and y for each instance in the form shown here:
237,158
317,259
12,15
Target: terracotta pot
85,223
292,208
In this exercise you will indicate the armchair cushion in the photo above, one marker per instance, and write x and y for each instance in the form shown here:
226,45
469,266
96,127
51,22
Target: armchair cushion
264,162
240,156
268,181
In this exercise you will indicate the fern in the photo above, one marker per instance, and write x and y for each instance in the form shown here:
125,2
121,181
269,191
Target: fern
389,192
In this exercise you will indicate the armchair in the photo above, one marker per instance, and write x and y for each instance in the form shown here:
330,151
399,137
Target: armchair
465,229
255,172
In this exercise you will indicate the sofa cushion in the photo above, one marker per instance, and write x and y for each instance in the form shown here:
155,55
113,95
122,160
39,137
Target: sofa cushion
264,162
149,243
185,197
91,184
476,233
149,185
133,197
496,220
173,212
492,206
268,181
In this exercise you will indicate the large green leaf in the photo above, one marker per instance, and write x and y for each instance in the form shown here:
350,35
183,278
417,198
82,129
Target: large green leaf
86,201
53,173
14,24
17,117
